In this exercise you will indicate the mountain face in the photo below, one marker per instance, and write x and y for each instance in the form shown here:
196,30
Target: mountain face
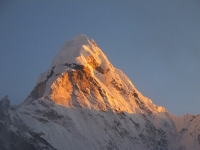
83,102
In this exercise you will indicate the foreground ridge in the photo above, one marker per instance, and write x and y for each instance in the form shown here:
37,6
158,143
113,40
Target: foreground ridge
83,102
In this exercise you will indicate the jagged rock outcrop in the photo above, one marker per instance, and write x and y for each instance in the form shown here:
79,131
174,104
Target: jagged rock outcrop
14,134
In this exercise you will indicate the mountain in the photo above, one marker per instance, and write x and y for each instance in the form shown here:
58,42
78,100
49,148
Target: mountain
83,102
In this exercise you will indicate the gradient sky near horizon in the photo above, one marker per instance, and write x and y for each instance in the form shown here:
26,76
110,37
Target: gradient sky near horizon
155,43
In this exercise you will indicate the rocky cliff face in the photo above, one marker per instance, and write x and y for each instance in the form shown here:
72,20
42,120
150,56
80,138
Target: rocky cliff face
14,134
83,102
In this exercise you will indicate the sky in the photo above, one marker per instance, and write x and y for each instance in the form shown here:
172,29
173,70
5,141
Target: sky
155,43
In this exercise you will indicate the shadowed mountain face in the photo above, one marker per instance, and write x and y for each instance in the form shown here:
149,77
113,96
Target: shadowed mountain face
83,102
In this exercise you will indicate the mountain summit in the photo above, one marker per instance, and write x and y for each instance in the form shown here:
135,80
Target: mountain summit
81,76
83,102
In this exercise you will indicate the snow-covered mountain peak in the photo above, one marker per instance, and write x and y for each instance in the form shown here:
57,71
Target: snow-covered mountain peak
83,102
81,50
78,40
74,51
82,76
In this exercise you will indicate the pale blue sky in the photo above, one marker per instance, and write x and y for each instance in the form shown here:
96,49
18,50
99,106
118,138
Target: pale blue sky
155,43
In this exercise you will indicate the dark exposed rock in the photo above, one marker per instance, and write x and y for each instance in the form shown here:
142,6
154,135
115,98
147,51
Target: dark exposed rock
135,95
4,103
153,137
4,110
183,130
95,65
142,106
101,70
50,75
118,87
9,140
38,91
17,139
77,67
51,115
137,125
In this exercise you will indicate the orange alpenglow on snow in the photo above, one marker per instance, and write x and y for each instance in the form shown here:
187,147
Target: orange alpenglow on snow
81,76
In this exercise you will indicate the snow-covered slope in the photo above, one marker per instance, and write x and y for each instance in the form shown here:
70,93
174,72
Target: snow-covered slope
83,102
